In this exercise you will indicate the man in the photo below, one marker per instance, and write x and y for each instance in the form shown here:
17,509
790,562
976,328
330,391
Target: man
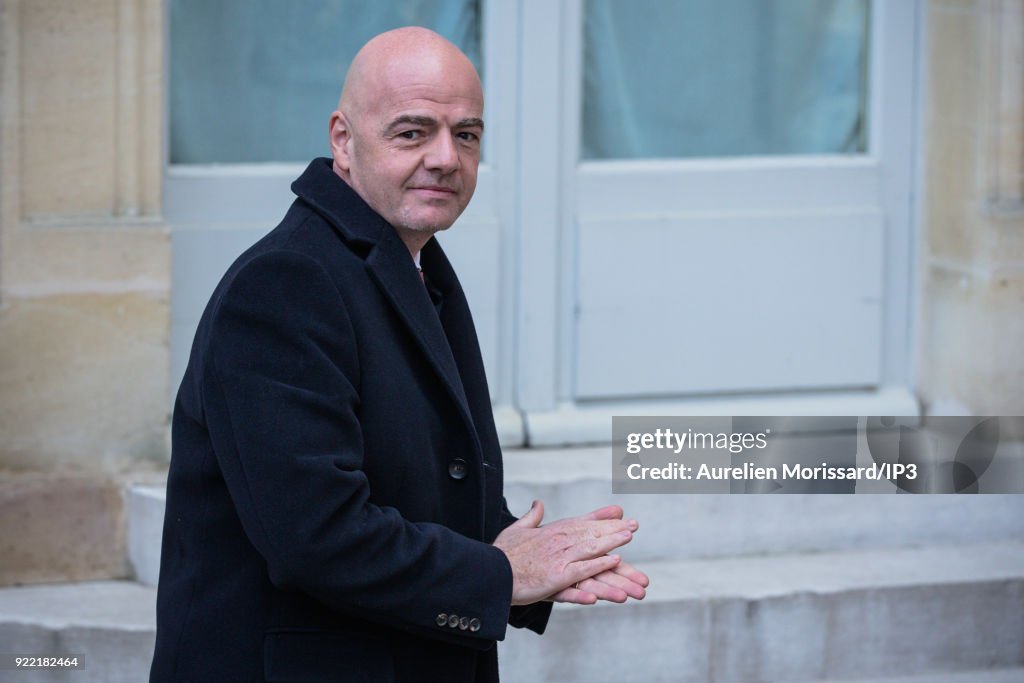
334,507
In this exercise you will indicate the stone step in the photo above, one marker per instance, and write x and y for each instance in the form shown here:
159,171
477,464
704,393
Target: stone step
145,506
109,625
830,616
675,526
931,614
1014,675
574,480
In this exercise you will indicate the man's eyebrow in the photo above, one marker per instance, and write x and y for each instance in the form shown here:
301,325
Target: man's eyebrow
470,123
417,120
411,119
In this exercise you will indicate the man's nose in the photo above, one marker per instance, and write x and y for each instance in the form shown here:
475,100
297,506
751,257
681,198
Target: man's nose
442,155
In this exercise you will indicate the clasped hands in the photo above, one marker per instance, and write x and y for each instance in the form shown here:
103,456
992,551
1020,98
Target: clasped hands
568,560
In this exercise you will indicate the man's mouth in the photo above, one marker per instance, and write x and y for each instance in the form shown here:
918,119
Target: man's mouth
434,190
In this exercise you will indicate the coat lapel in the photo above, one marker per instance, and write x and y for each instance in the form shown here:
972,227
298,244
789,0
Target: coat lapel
391,267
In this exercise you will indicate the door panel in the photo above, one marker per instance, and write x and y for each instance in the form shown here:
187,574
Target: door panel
729,303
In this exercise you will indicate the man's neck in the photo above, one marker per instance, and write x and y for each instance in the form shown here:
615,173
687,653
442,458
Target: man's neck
414,240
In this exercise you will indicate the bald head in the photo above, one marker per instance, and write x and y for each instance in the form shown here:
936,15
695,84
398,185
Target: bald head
399,58
406,134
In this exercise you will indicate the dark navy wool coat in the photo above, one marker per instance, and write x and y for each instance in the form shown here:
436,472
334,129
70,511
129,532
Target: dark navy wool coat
335,479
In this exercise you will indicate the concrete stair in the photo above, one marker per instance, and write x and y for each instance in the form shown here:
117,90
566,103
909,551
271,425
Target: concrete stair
864,615
110,625
875,589
571,481
145,531
984,676
823,617
674,527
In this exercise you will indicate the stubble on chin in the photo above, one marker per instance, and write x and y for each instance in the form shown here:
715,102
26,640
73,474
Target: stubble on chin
409,222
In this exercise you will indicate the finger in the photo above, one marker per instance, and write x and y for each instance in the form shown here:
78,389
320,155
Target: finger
630,572
584,569
618,582
615,523
578,529
610,526
575,596
610,512
596,547
533,516
603,589
607,512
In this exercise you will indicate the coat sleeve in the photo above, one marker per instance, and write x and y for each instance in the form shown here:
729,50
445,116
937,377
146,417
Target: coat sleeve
279,393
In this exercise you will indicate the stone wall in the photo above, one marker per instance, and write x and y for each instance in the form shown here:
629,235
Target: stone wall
84,279
971,301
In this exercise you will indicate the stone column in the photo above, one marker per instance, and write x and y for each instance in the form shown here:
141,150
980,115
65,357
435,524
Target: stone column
971,325
84,279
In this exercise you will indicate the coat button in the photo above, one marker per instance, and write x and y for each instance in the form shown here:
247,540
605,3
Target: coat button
457,469
463,623
474,624
442,619
453,621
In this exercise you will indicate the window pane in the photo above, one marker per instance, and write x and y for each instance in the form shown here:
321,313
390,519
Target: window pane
713,78
256,80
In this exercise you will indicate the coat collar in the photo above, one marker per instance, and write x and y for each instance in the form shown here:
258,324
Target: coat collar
391,267
334,199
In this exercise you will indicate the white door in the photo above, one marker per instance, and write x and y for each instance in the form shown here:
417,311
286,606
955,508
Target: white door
727,210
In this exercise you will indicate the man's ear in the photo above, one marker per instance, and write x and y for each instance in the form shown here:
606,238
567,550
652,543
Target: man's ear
341,143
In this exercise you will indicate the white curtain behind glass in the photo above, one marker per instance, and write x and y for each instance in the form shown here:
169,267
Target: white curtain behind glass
712,78
256,80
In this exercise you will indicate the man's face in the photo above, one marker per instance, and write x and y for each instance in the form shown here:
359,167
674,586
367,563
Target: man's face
414,146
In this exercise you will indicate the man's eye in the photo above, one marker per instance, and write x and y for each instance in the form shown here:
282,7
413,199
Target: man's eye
469,137
409,134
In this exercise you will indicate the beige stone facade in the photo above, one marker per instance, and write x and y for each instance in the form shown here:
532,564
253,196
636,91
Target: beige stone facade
971,287
85,257
84,279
